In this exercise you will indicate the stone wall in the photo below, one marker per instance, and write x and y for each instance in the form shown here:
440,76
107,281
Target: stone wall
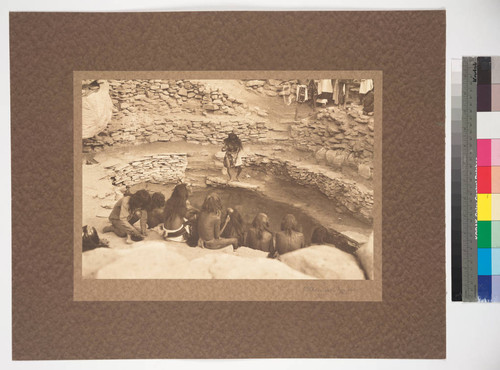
350,197
156,169
173,110
147,127
272,87
338,139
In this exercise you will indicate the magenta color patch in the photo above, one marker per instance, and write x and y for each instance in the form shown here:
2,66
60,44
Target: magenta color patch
484,152
495,151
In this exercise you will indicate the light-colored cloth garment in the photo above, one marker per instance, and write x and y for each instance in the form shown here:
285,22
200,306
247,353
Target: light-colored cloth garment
325,86
335,95
302,89
365,86
178,235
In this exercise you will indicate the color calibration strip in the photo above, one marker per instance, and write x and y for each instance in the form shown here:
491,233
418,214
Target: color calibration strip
456,179
488,178
469,176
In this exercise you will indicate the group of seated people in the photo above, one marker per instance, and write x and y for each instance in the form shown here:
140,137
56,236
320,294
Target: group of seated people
211,227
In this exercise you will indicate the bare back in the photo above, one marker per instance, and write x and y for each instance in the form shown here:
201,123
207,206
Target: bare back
208,226
289,242
264,244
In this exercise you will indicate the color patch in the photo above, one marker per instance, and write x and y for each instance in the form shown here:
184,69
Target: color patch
495,233
495,288
495,98
484,261
484,152
484,207
484,283
484,234
484,180
495,261
484,98
495,150
488,125
495,179
495,207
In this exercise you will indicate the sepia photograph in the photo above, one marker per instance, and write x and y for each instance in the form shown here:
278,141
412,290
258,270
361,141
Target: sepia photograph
228,178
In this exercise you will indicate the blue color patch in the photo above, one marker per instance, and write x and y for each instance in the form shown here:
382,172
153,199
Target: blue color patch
484,261
495,261
484,287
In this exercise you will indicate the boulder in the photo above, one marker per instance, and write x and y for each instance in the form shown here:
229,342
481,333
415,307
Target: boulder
330,156
151,261
97,110
365,257
95,259
321,154
365,171
324,262
226,266
255,83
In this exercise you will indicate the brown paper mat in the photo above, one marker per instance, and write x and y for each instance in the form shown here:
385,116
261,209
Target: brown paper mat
408,47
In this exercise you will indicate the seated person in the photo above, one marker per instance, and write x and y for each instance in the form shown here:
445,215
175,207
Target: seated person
155,213
259,236
174,215
91,240
209,225
235,227
290,237
319,235
127,211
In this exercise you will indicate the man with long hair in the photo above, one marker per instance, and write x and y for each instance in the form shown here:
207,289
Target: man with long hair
290,237
209,225
235,228
234,150
126,212
174,214
155,213
259,236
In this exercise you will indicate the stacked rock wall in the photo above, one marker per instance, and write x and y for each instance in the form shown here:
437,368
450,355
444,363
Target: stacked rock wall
173,110
350,197
339,139
273,87
142,128
157,169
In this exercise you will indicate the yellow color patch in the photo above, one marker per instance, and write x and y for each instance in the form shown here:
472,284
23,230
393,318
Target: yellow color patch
484,207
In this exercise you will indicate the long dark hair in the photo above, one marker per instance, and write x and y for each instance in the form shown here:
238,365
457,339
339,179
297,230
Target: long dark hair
235,227
233,142
140,200
212,204
261,224
289,224
157,200
319,235
176,204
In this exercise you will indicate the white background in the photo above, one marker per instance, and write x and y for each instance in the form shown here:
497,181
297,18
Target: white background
473,330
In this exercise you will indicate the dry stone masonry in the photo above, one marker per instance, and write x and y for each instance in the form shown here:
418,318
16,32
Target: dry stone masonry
272,87
170,110
339,139
157,169
349,196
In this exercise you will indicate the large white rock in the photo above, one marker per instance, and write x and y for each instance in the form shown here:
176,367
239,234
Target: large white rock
365,256
324,262
151,261
97,109
226,266
95,259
